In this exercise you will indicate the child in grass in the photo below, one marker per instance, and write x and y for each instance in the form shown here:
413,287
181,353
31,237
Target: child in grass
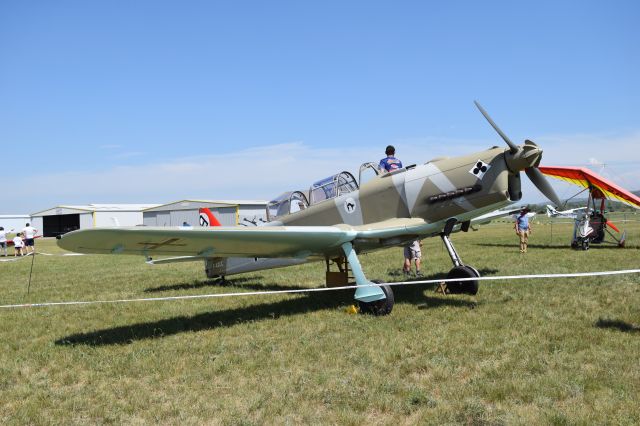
17,245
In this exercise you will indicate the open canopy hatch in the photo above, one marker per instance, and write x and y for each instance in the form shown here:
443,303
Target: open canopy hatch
321,190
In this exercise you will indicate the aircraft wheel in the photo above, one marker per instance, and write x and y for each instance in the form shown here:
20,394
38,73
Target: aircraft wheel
467,287
379,307
585,244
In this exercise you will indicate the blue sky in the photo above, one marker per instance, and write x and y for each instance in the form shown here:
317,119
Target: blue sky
154,101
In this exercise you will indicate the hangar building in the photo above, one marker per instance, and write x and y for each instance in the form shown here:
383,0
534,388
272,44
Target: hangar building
228,212
62,219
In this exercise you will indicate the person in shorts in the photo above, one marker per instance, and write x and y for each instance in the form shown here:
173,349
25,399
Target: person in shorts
3,240
29,233
17,245
523,229
412,252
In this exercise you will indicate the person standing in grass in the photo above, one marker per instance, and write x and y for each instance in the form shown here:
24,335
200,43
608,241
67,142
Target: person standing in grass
17,245
3,240
412,252
523,229
29,233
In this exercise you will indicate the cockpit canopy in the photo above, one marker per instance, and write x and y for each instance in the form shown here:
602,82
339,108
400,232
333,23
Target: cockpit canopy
332,187
322,190
287,203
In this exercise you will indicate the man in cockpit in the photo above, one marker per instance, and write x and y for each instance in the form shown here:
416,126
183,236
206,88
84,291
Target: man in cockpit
390,163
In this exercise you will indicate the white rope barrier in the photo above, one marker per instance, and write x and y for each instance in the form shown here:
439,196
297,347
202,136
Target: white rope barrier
322,289
16,258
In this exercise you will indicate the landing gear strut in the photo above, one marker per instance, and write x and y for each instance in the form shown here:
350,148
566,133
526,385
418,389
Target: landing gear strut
376,300
460,270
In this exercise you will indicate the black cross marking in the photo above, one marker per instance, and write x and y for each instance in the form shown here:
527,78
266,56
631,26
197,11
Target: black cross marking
350,207
169,242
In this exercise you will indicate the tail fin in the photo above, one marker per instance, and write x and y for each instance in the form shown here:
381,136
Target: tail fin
551,211
207,218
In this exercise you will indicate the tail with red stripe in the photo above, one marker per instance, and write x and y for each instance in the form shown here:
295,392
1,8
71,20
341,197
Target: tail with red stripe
207,218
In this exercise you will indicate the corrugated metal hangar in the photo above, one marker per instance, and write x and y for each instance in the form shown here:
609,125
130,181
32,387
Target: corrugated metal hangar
62,219
228,212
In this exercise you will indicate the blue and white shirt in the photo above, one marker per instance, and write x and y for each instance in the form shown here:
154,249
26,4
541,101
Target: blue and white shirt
523,222
390,163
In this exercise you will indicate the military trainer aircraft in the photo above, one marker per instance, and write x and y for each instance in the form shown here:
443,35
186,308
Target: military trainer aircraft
340,217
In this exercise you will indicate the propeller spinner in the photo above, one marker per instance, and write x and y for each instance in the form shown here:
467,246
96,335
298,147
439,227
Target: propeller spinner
524,157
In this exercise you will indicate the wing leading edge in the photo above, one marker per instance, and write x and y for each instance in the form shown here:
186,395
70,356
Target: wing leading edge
267,241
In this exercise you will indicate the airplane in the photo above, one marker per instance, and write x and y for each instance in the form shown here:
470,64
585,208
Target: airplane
591,224
570,213
340,218
488,217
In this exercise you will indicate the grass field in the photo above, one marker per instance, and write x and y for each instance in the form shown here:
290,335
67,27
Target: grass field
520,352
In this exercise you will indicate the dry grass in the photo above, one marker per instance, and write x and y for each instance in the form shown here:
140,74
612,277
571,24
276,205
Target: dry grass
560,352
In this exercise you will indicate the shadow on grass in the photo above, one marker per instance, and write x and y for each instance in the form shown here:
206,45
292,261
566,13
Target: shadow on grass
243,283
194,284
515,245
551,246
207,321
618,325
413,294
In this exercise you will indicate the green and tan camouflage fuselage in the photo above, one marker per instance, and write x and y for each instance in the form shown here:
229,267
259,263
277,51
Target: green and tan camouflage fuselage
395,208
390,209
417,198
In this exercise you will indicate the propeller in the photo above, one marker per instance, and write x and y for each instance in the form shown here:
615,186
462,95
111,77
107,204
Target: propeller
513,148
524,157
538,179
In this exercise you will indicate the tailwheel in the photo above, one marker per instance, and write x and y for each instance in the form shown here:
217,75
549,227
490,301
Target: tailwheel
379,307
466,287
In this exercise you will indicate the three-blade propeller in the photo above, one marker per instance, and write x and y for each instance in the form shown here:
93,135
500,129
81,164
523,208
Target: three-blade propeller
524,157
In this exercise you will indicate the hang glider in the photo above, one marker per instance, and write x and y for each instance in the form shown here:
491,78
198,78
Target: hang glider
340,217
597,185
591,224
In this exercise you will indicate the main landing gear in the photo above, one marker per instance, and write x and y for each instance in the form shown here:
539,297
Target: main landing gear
375,300
460,270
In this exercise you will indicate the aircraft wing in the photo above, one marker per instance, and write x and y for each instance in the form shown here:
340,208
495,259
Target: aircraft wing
239,241
488,217
588,179
263,241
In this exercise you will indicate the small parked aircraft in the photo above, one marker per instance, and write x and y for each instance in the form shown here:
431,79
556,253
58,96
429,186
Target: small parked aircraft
591,225
569,214
340,217
512,212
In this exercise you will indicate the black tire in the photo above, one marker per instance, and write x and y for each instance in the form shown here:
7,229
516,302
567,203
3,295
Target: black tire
585,244
379,307
465,287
